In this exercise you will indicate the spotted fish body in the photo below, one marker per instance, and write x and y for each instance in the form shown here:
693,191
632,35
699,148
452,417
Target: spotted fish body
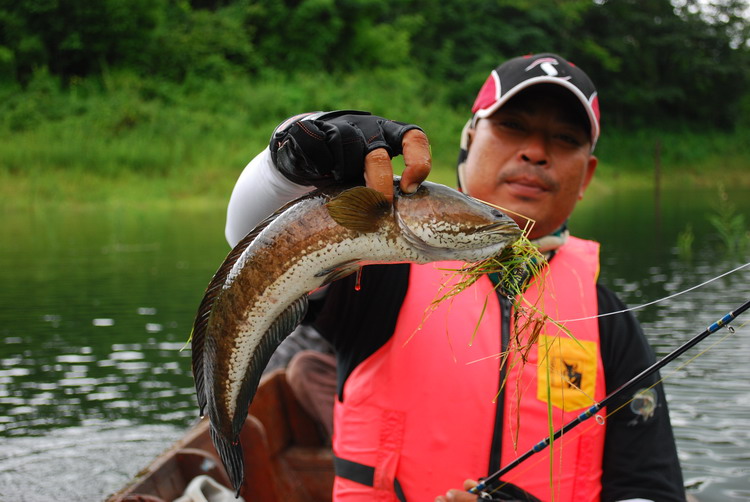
259,294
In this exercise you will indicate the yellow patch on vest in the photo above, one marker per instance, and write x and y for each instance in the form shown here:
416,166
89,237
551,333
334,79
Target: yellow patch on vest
566,372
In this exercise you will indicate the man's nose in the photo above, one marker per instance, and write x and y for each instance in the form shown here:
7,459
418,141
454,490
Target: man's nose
534,151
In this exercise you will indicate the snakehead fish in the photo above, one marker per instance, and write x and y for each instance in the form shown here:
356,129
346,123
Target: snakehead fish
259,294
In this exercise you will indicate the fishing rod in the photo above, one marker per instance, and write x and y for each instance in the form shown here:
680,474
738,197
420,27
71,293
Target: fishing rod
490,481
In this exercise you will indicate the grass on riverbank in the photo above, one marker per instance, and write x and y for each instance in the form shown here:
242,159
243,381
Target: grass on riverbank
130,140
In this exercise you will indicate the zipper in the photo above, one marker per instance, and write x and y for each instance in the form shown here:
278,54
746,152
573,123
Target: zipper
496,448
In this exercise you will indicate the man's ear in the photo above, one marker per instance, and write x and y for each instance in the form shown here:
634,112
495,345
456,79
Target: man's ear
591,164
468,135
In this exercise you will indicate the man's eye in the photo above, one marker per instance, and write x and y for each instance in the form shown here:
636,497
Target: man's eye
569,139
510,124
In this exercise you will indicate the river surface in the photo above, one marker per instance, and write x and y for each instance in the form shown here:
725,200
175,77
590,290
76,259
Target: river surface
96,305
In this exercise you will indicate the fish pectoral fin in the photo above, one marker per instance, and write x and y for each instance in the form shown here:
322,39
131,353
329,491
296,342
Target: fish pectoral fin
359,208
286,322
339,271
281,327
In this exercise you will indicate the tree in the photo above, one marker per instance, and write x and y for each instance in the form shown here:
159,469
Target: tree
663,64
75,37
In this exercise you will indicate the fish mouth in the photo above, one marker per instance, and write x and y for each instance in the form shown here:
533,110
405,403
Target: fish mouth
508,228
503,233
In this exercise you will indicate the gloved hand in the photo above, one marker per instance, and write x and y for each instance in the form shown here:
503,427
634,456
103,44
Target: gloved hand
349,146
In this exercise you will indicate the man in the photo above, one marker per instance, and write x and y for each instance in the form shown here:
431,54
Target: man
420,411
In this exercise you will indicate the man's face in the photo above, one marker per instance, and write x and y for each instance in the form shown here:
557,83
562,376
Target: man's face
532,156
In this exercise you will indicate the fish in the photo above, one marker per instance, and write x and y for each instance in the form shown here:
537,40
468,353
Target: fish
260,292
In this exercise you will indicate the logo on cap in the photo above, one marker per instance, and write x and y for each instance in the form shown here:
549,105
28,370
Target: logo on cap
546,64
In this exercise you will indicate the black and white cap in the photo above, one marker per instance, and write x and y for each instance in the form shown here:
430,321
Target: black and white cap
520,73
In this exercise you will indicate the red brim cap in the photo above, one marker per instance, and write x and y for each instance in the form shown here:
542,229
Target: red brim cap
520,73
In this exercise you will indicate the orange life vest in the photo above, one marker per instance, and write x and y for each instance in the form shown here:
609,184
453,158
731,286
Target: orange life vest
418,416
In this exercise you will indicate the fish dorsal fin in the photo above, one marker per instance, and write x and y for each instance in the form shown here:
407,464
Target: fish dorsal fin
204,310
359,208
209,298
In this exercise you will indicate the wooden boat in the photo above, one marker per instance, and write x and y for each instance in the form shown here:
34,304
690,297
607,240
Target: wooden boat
286,459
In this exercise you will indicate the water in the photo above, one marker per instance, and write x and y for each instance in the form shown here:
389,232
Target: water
96,304
95,307
709,396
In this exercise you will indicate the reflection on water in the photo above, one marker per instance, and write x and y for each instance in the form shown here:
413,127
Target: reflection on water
81,463
95,307
707,388
88,311
710,395
74,384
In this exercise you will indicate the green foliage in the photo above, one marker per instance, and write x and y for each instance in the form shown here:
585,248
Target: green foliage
157,87
730,225
131,138
310,35
656,62
21,111
201,44
73,37
156,128
460,42
685,240
685,151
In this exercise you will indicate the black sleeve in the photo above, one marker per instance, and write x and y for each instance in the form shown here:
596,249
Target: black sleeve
640,455
358,321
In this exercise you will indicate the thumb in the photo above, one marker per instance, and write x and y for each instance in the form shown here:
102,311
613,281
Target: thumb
379,172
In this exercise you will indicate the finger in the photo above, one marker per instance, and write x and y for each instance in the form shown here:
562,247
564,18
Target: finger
379,172
417,158
459,496
469,484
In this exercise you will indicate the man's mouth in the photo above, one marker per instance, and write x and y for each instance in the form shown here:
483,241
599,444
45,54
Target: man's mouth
524,186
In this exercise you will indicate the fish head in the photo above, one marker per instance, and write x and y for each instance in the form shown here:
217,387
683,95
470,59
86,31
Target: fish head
442,223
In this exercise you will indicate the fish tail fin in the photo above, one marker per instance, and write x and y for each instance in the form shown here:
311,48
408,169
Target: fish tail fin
230,453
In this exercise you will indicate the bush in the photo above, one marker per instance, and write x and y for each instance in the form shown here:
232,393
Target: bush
203,44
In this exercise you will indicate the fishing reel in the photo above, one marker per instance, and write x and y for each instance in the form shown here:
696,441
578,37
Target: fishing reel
505,492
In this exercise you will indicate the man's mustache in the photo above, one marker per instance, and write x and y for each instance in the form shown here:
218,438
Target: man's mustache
538,173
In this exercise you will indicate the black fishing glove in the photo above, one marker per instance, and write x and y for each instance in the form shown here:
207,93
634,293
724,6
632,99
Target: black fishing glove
327,147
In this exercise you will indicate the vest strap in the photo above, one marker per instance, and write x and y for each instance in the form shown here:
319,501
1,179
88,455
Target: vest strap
362,474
